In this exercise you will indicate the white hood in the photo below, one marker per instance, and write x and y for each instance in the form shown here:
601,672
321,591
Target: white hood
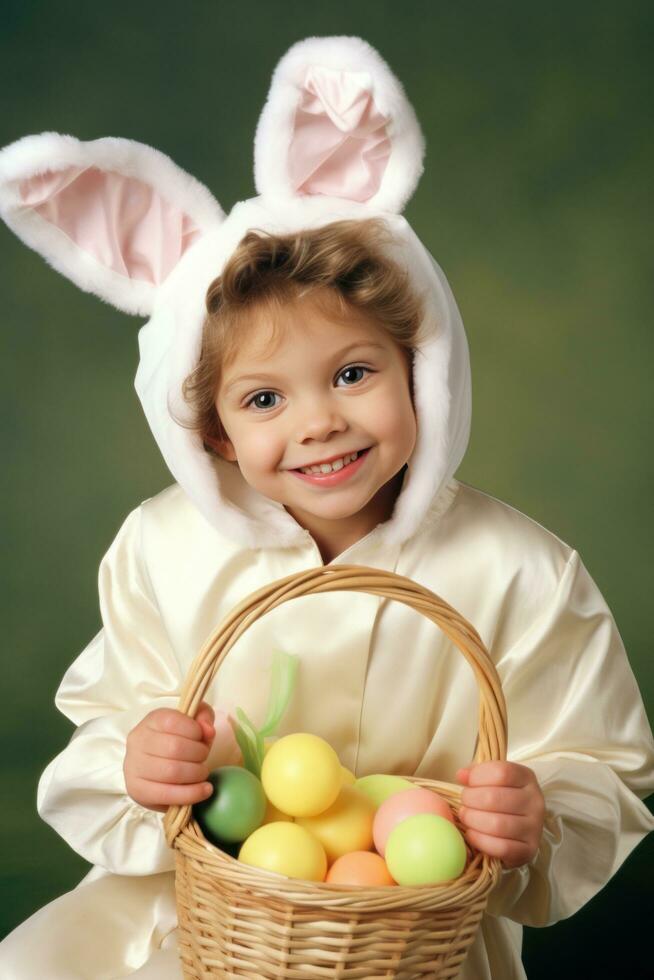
337,139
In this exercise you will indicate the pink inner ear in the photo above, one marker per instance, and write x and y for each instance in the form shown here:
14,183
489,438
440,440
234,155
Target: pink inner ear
340,145
122,222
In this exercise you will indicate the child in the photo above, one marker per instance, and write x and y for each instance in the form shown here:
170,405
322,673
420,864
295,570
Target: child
306,327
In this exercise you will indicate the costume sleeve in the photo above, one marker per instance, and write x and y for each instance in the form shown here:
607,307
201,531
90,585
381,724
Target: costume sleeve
126,671
576,718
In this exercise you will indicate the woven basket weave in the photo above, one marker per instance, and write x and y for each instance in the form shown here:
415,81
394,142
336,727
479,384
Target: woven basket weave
239,921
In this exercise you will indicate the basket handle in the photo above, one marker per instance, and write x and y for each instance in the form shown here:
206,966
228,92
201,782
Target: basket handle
492,738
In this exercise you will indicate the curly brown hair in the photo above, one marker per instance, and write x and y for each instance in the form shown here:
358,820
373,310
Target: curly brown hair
342,262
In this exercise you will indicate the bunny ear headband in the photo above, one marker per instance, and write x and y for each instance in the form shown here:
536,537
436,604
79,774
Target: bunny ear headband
337,138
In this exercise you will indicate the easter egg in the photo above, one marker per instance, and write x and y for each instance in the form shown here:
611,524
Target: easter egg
406,804
344,826
359,868
231,849
287,849
348,777
301,775
424,850
380,786
236,807
272,814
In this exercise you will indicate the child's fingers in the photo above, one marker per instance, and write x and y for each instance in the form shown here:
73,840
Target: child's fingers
208,733
167,746
205,713
499,799
512,853
205,718
496,773
175,723
501,825
169,771
159,796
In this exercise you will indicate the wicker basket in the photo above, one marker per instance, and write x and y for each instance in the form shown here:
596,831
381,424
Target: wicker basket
239,921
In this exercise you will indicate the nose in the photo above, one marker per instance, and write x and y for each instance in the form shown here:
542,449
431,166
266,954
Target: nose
318,419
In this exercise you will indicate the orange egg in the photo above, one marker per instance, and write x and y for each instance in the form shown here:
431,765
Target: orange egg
359,868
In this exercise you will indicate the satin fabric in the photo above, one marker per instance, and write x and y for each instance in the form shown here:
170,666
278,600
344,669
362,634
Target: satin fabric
339,144
121,222
377,680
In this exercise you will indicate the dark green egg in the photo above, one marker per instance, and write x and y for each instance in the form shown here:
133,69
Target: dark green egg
235,809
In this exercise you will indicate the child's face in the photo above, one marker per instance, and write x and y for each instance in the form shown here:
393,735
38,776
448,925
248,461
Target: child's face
319,396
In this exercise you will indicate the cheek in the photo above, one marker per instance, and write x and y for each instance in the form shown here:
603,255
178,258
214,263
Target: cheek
404,430
392,415
261,448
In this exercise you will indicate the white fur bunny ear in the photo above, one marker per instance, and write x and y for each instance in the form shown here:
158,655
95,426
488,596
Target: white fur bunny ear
113,215
338,123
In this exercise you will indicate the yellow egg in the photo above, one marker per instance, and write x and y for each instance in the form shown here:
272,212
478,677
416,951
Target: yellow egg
301,774
272,814
345,826
348,777
287,849
267,744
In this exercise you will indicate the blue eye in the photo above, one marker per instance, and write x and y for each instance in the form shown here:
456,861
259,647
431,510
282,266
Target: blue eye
354,367
265,392
260,394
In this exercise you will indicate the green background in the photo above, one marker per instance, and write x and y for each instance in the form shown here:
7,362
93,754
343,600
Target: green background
533,200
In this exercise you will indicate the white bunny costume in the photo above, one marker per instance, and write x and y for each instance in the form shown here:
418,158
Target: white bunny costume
337,138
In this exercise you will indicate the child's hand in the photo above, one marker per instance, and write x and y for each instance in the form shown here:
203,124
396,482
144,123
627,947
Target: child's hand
165,759
503,810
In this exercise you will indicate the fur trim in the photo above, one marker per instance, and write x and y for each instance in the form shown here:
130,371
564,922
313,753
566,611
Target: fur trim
275,126
38,154
169,346
170,342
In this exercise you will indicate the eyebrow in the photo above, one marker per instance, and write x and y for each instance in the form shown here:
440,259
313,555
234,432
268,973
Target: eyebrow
337,356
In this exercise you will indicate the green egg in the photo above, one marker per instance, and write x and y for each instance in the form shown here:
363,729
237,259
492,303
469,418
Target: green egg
380,787
236,808
425,850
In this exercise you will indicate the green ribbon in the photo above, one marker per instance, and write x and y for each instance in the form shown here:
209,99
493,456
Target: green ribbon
282,684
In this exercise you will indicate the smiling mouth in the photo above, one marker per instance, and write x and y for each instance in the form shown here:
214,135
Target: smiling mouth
346,460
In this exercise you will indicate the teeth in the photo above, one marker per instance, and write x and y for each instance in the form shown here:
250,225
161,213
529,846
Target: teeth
332,467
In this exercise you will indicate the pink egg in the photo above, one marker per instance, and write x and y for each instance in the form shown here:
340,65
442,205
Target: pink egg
402,805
